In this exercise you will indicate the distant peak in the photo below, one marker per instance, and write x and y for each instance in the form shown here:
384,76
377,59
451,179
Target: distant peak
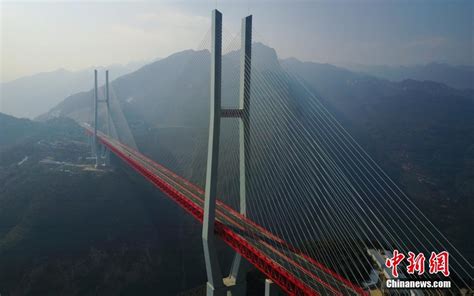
291,60
262,47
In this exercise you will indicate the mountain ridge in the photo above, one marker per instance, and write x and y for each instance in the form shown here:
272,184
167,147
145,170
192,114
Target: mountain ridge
456,76
35,94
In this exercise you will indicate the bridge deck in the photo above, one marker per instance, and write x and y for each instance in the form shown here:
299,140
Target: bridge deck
295,272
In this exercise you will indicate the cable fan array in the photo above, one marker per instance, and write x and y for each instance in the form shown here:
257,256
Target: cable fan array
309,182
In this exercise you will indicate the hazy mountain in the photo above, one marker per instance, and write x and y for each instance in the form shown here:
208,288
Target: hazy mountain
454,76
34,95
422,133
171,91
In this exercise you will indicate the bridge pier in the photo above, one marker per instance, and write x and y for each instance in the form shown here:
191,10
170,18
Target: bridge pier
212,291
235,288
229,288
235,284
271,289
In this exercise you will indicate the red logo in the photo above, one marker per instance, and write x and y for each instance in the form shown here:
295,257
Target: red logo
439,263
416,263
394,262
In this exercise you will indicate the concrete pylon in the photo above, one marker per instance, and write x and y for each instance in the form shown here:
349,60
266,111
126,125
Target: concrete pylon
239,265
107,114
96,105
235,283
96,149
215,284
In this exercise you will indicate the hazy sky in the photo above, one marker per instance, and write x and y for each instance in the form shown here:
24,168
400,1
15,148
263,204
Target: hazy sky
44,36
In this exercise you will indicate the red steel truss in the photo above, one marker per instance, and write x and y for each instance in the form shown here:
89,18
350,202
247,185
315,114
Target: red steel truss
287,281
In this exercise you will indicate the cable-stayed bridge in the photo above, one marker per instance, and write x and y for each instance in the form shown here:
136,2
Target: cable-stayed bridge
294,271
309,201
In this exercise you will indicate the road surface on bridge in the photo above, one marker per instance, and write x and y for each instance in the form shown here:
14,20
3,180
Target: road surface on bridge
295,272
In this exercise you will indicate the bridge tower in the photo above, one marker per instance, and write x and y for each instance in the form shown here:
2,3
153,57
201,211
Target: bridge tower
107,114
235,283
95,143
96,105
